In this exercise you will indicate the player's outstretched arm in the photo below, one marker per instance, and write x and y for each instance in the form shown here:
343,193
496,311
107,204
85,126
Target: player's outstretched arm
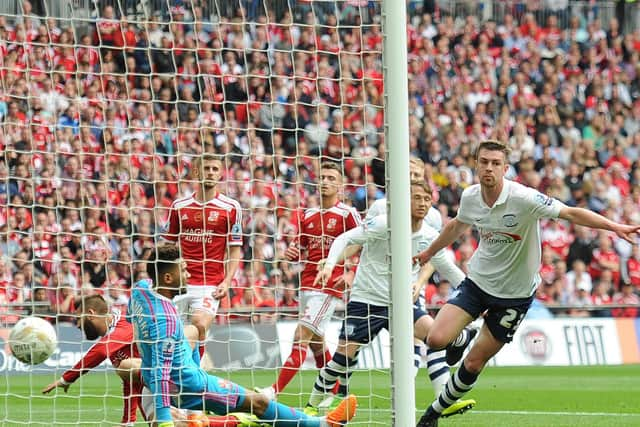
591,219
58,383
94,357
448,235
447,268
346,244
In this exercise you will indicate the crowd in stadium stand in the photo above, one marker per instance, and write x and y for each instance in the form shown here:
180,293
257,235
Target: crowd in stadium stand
100,124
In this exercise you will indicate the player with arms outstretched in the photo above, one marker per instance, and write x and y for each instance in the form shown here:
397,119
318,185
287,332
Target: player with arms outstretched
368,308
208,228
503,271
318,228
168,367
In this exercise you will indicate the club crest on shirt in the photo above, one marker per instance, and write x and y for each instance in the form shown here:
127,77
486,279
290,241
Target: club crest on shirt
509,220
331,224
213,216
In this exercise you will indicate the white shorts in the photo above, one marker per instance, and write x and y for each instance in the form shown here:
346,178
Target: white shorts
197,298
316,310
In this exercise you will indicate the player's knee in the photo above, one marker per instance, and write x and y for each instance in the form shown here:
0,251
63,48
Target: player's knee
474,363
200,326
436,340
316,346
256,403
202,321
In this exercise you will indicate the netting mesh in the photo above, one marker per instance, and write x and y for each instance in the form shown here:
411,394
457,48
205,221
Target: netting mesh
106,104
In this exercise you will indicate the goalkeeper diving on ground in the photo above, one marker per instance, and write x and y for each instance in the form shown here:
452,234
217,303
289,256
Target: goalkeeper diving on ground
175,378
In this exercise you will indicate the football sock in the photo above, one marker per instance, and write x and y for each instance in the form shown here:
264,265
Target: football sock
291,367
458,385
337,369
437,369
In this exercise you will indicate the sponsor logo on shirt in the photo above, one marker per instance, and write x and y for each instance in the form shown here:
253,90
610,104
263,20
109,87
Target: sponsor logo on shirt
495,237
320,242
198,235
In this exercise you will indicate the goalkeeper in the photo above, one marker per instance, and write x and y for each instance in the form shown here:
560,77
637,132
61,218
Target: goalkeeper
172,375
115,333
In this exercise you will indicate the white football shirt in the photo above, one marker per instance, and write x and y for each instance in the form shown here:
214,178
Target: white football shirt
371,283
507,260
379,207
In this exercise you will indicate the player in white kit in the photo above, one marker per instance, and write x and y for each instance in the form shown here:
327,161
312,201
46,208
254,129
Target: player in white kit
438,371
503,271
368,308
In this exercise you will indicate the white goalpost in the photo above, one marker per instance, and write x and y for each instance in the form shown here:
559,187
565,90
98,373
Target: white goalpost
104,106
397,137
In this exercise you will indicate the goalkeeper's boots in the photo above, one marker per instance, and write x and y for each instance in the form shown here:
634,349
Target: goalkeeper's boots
459,407
345,411
246,420
454,353
311,410
197,420
332,402
268,392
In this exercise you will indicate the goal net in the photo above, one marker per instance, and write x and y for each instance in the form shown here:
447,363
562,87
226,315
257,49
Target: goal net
106,104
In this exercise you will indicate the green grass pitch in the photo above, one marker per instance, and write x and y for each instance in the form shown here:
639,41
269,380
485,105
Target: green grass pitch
535,396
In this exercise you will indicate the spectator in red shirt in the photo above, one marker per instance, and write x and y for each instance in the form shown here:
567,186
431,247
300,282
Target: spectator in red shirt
107,27
633,267
602,297
604,257
626,296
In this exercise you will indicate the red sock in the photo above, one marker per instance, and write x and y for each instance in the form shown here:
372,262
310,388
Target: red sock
223,421
201,348
291,367
322,358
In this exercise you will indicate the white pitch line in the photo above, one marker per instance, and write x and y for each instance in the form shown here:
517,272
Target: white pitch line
555,413
560,413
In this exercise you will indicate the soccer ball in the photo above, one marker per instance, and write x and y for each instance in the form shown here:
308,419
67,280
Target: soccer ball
32,340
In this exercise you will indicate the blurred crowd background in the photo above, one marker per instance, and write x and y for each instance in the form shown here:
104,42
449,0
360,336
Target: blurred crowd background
102,118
